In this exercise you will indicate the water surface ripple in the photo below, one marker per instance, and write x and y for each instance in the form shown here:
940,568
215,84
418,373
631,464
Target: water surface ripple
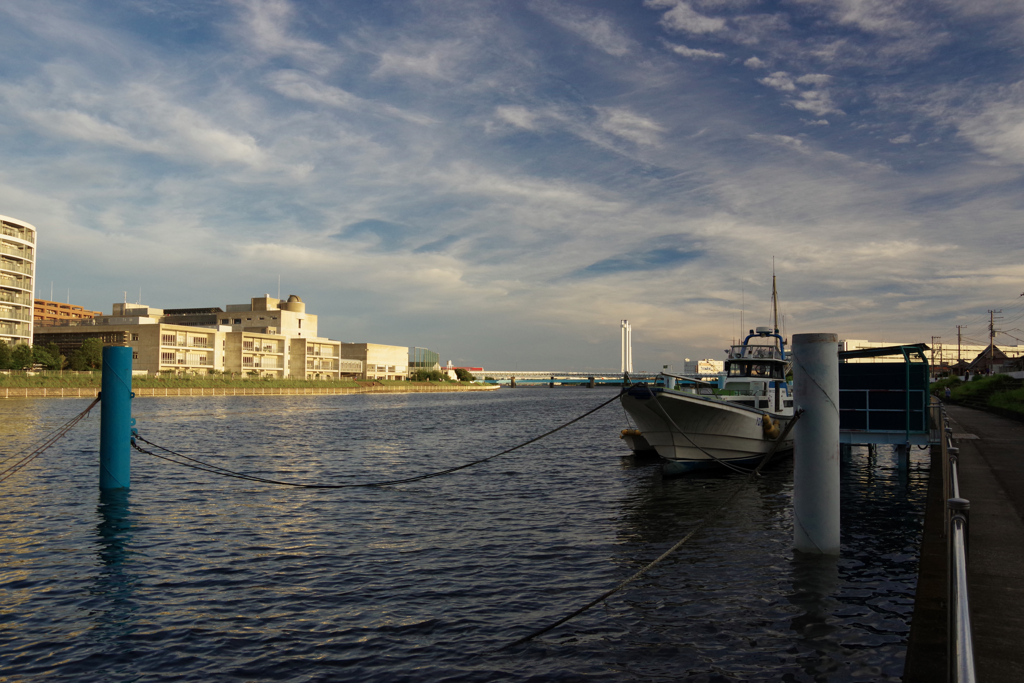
194,577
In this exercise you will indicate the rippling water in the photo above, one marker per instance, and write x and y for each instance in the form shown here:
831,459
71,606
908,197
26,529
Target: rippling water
194,577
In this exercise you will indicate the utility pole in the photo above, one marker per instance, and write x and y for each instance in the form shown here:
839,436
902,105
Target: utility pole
992,338
959,357
933,353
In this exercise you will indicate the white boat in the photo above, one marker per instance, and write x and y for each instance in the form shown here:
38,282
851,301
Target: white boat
693,423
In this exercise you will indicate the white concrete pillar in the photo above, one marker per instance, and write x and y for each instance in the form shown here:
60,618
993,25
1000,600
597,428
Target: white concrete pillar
816,443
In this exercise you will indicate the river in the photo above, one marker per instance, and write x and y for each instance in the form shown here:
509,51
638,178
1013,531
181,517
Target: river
196,577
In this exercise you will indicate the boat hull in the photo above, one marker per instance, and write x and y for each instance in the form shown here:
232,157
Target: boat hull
687,430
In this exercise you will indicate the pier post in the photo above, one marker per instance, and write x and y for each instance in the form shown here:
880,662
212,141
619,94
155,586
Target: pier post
816,443
116,418
903,456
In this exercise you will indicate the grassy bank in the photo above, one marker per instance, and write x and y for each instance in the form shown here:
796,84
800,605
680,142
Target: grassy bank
1000,394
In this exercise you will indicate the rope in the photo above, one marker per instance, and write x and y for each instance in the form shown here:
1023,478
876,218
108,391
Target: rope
48,441
707,520
216,469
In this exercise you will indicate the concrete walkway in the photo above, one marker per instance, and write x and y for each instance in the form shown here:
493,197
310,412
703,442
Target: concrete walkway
992,478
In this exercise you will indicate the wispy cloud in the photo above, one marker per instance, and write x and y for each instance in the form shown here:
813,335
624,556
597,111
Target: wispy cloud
526,168
599,31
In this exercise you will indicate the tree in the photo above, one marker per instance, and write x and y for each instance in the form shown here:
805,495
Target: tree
55,353
88,356
41,356
428,376
5,355
464,375
21,357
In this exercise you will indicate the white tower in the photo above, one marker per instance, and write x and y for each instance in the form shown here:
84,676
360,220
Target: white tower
627,347
17,278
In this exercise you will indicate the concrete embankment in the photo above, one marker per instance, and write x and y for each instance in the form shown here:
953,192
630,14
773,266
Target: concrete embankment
91,392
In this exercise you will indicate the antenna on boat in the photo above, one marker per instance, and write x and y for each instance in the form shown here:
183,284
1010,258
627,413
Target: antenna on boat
775,300
743,305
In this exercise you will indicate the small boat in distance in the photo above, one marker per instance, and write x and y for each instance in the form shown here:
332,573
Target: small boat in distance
693,423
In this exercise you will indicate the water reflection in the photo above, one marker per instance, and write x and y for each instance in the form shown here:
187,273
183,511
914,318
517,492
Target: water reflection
113,588
815,581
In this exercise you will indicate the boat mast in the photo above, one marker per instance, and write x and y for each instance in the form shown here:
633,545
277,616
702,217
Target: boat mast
775,299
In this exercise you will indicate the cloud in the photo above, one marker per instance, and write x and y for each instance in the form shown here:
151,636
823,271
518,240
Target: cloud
389,236
437,246
300,86
755,63
902,139
664,253
266,26
599,31
518,116
996,124
155,124
437,60
779,80
816,101
682,17
624,123
694,53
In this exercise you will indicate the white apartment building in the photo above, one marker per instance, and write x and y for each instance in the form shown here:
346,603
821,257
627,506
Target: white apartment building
17,278
267,341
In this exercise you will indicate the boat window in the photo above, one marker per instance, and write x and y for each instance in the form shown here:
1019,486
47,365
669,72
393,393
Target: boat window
769,370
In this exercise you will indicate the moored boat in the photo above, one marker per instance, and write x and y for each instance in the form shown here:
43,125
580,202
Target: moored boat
694,423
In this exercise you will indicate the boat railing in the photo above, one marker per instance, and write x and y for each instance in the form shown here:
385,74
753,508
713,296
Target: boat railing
756,352
960,642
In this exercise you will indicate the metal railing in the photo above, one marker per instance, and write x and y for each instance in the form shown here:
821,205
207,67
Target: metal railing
959,643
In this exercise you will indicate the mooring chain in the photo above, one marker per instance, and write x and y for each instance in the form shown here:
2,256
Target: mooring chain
703,523
52,438
216,469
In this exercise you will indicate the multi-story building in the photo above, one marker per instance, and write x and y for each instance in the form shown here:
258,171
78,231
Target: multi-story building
380,361
48,312
196,341
17,278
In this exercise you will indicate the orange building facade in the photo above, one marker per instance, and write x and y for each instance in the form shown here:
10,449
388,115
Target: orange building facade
50,312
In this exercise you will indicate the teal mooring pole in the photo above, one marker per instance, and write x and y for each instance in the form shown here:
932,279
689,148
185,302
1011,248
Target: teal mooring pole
116,418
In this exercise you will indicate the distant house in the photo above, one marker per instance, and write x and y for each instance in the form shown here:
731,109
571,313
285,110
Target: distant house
990,361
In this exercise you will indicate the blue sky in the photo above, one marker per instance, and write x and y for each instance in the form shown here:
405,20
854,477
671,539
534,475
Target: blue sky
504,181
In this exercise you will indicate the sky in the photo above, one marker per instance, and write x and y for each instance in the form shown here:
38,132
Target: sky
503,182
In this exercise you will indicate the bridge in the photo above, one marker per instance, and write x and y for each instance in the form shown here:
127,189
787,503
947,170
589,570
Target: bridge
564,374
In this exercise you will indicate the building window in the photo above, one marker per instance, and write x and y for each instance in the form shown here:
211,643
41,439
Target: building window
225,321
167,357
238,321
300,323
135,337
168,339
135,355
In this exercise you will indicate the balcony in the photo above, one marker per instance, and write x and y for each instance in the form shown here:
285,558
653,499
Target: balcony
17,253
21,234
16,267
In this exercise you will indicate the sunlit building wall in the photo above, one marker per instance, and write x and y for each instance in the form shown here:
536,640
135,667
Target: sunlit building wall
17,278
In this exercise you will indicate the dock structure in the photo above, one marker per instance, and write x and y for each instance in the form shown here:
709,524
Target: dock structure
991,477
